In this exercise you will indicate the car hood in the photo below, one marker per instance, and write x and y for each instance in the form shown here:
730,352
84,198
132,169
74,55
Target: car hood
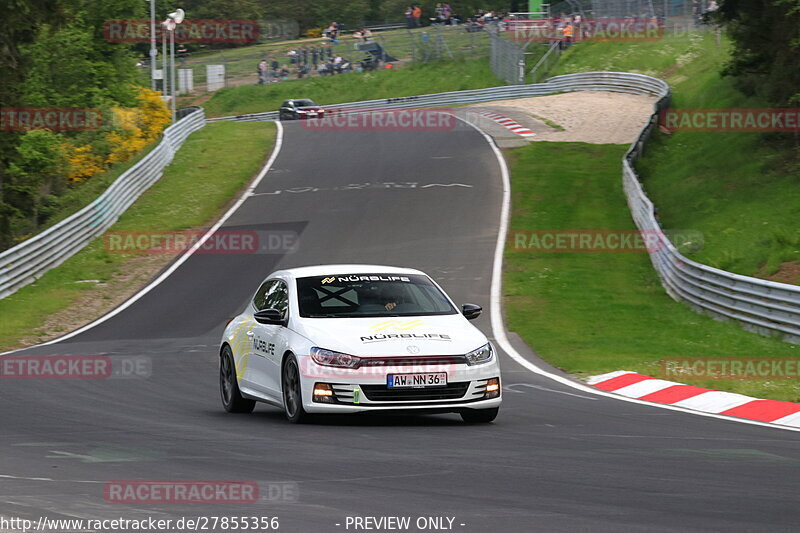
398,336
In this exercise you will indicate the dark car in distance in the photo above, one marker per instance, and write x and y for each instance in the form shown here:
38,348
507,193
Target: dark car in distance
300,109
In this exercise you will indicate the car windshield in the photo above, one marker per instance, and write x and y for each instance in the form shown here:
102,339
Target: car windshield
370,295
305,103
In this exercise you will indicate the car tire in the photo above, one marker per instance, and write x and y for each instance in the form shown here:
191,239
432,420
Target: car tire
479,416
292,391
231,396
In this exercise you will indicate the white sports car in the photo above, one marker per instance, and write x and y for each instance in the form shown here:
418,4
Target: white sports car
357,338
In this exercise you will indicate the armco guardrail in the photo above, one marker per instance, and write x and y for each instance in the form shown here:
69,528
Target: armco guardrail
759,305
588,81
763,306
27,261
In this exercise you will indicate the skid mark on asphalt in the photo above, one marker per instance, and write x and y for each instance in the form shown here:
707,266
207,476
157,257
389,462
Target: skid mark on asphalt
510,388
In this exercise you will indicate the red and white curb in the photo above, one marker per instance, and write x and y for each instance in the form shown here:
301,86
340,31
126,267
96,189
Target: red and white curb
509,124
650,389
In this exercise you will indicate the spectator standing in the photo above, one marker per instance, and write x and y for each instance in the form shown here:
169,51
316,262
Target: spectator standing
568,34
333,33
438,13
315,56
409,17
417,14
262,72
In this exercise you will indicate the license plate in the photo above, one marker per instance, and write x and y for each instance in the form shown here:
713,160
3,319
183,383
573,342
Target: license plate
431,379
312,114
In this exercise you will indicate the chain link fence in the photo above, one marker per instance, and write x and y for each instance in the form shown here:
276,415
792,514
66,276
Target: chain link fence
388,44
506,58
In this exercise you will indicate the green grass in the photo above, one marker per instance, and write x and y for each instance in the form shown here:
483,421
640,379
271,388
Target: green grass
423,78
240,63
590,313
739,189
222,157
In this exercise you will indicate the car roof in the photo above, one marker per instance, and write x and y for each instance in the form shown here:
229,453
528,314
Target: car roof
334,270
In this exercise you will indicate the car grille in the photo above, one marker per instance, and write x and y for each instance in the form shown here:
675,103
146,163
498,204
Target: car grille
417,360
382,393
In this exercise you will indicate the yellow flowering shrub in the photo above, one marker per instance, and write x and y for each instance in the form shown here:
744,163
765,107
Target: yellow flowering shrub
135,128
155,116
83,162
131,130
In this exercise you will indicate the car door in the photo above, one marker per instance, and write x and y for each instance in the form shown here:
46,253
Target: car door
286,111
269,341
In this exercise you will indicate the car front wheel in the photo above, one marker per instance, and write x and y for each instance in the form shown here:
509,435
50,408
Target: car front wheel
232,399
292,392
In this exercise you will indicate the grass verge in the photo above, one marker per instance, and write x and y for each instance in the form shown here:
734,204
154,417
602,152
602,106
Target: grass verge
590,313
222,157
739,189
422,78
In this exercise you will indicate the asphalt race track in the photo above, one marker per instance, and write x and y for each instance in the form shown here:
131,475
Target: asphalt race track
556,459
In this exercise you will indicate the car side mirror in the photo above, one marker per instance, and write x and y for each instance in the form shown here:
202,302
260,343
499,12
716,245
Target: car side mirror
269,316
471,311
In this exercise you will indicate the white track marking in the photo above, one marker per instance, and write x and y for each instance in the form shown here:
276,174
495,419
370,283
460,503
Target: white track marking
185,256
498,326
643,388
603,377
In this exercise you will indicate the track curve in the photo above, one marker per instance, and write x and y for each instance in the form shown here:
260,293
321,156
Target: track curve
556,459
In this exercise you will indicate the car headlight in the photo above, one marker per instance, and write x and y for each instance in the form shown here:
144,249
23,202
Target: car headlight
482,355
330,358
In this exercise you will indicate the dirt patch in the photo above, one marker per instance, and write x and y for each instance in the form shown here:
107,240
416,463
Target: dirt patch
789,272
586,116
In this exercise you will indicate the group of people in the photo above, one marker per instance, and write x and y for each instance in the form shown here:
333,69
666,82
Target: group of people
413,16
305,61
301,60
364,35
442,14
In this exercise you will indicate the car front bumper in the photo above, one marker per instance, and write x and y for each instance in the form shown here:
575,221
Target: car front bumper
365,389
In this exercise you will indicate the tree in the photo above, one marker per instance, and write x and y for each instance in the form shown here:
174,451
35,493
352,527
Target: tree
766,37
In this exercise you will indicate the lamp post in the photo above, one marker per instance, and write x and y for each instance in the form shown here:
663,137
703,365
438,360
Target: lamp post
153,48
164,59
173,19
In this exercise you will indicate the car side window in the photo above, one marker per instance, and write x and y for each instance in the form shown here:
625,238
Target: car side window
277,297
